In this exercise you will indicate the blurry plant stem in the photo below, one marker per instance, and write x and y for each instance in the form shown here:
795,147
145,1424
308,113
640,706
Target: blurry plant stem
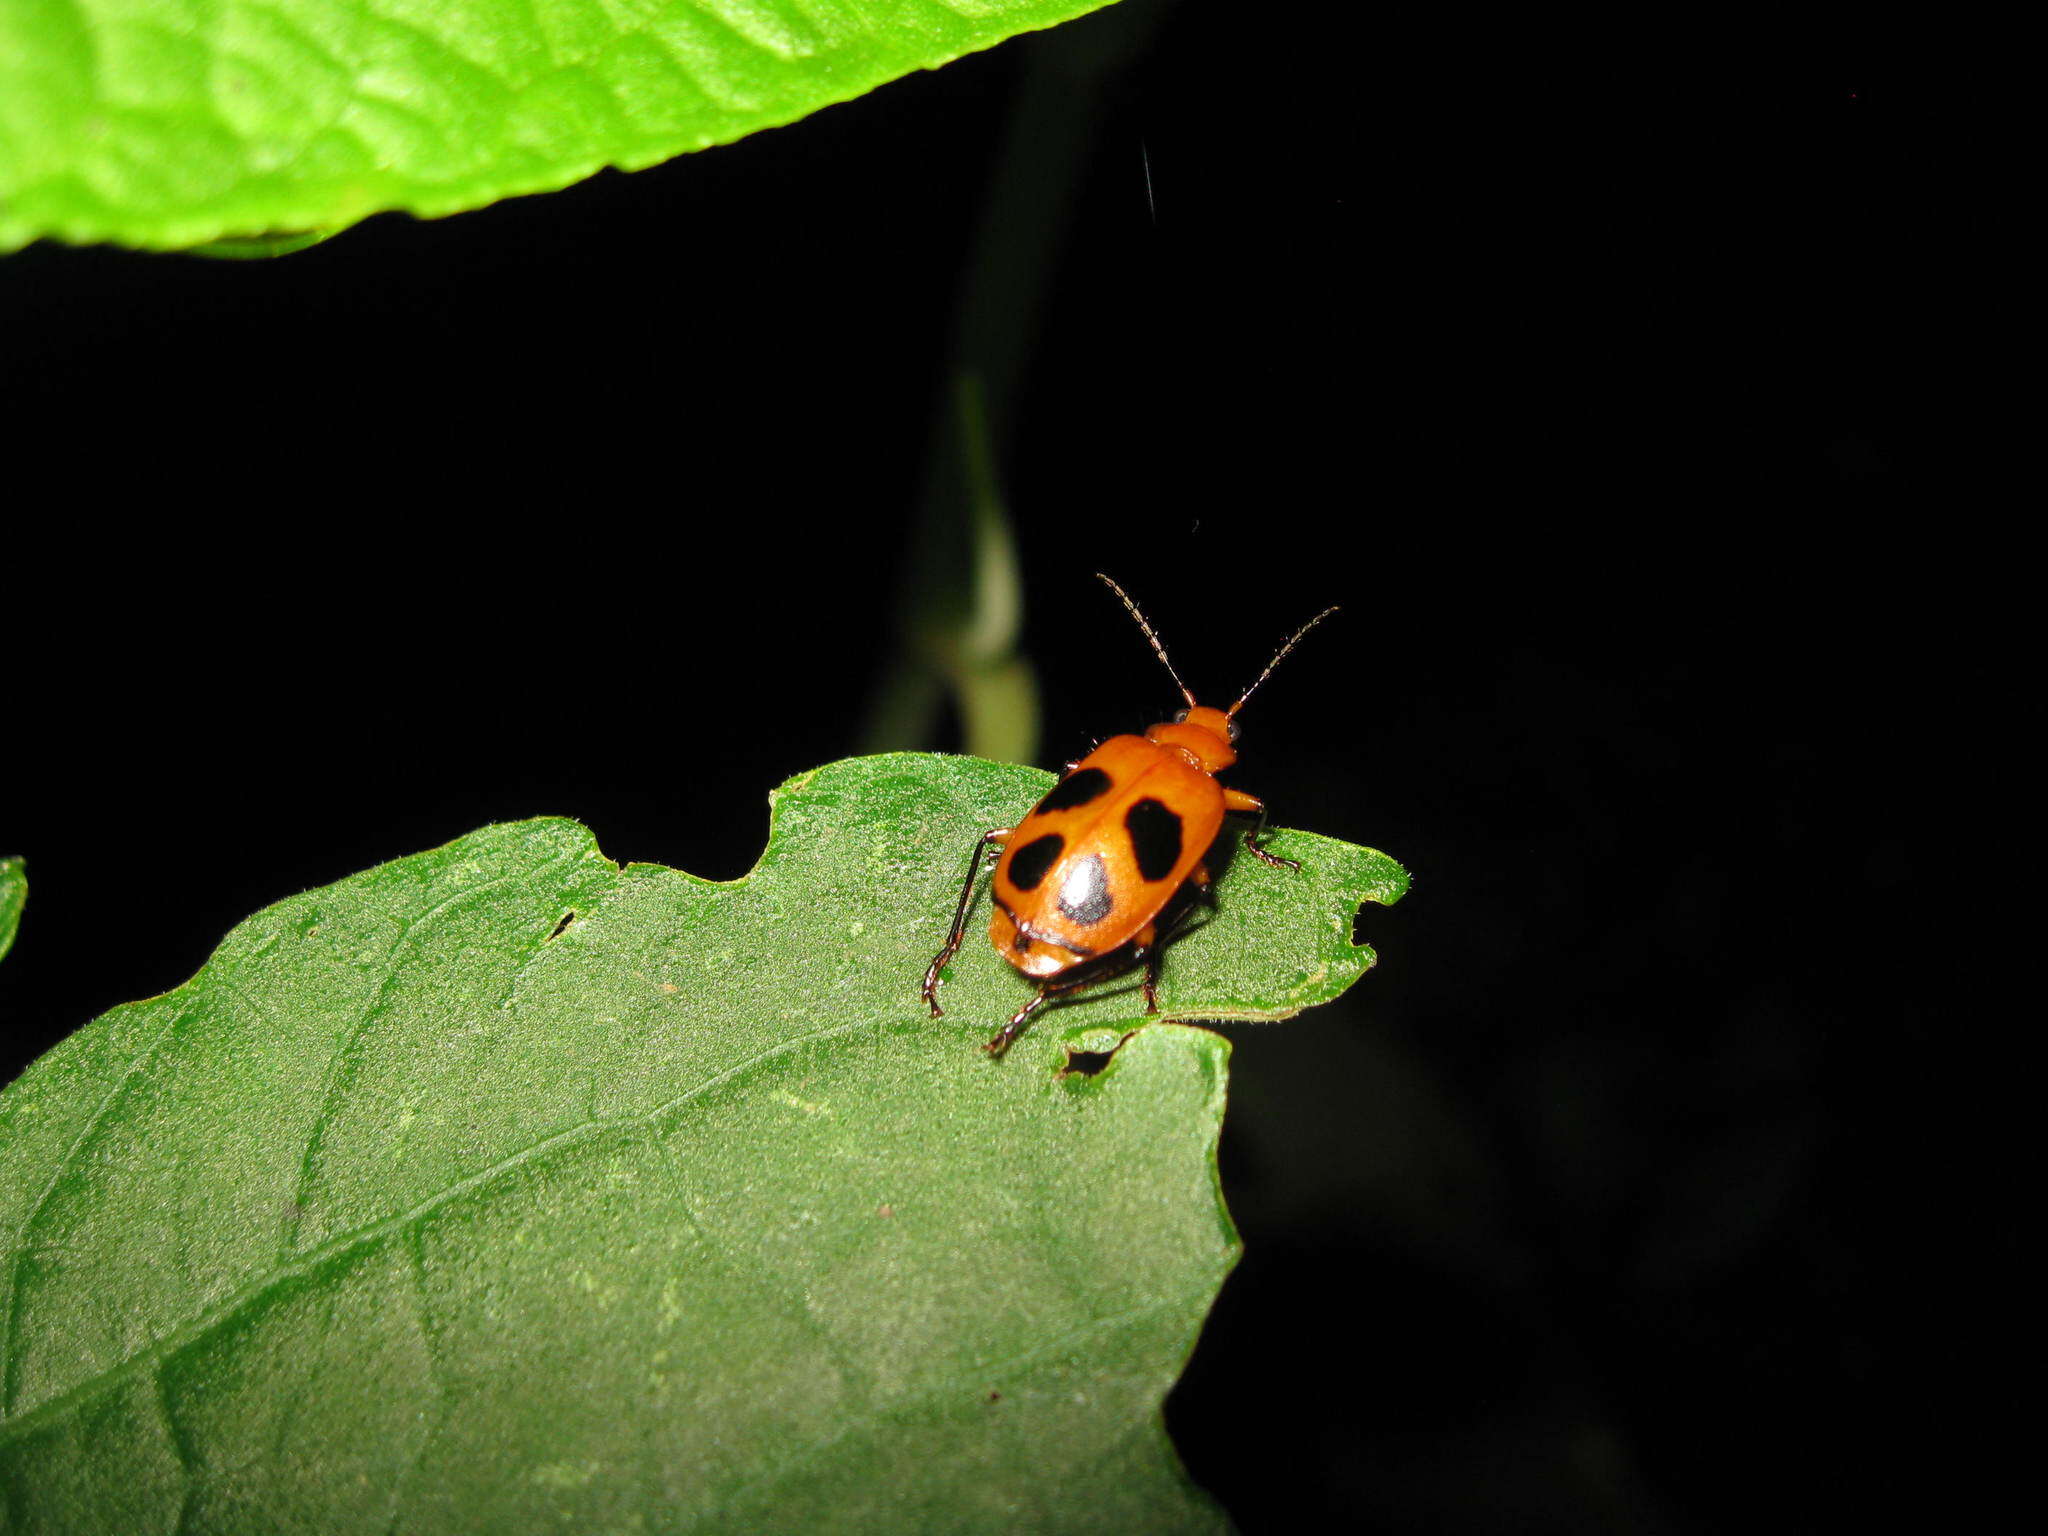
962,605
965,641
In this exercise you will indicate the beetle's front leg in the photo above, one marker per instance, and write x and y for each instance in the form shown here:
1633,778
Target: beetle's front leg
1249,805
931,974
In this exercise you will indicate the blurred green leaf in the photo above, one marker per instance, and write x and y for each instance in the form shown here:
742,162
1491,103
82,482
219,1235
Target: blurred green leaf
13,896
262,247
175,123
500,1188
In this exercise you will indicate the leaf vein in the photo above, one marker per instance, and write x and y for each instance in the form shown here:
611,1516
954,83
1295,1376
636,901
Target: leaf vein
10,1364
340,1068
183,1335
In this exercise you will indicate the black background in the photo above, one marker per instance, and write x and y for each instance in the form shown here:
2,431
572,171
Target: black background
1635,395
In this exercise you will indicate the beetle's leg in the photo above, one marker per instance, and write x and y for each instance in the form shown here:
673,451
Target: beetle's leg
1246,805
1146,945
1153,950
1047,991
1015,1027
931,974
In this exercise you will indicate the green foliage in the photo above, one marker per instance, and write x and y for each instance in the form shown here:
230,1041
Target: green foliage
13,896
501,1188
175,123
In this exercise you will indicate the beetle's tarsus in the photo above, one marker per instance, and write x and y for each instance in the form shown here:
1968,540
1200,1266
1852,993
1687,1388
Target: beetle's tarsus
1273,859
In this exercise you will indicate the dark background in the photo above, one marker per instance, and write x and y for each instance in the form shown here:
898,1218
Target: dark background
1637,397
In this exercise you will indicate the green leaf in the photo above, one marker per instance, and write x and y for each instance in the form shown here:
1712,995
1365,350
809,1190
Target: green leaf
13,897
172,123
418,1210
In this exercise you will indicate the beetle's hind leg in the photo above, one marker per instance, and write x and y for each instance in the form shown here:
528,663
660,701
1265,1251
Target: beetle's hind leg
1058,986
1147,948
1021,1017
931,972
1015,1027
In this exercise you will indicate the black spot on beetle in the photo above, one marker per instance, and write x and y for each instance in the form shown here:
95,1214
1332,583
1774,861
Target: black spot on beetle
1029,863
1076,789
1155,837
1084,894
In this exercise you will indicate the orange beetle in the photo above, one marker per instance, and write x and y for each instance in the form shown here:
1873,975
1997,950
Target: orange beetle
1085,882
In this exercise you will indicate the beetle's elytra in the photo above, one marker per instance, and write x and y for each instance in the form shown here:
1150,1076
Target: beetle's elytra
1093,881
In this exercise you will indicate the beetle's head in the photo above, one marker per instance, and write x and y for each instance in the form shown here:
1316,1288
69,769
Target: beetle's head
1207,735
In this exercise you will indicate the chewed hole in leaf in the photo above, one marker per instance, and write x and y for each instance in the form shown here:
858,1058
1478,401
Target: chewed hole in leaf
1082,1063
1359,922
563,926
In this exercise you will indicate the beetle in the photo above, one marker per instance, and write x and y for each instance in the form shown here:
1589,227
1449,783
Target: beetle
1095,879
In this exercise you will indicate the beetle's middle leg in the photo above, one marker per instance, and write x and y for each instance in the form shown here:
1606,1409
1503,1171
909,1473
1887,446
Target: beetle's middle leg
931,974
1146,945
1150,945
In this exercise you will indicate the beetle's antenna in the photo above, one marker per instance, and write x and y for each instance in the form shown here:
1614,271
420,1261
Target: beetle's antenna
1311,624
1149,635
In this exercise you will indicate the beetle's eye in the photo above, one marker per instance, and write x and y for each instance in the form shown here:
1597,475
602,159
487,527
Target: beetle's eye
1233,731
1180,717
